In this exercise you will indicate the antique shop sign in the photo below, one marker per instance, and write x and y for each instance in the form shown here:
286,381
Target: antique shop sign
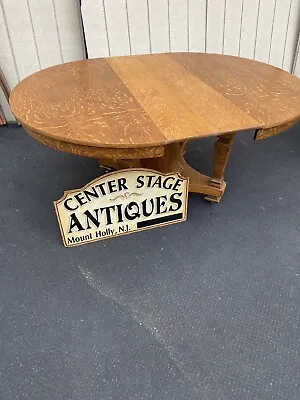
119,203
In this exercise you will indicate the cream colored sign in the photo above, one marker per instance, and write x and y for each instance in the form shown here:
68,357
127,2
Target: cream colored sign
119,203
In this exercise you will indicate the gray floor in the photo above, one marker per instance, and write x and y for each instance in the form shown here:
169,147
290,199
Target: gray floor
206,309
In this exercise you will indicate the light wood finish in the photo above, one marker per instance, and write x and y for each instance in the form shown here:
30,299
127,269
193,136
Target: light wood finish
97,152
123,110
222,150
268,132
141,101
85,103
173,161
180,104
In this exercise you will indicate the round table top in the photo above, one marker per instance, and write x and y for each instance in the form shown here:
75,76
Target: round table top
152,100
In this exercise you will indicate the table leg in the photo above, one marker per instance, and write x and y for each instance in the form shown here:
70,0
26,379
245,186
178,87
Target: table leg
173,161
222,150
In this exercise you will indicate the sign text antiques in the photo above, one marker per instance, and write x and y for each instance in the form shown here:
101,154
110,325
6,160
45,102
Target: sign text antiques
119,203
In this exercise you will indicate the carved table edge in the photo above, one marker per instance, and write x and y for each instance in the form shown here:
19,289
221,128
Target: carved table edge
97,152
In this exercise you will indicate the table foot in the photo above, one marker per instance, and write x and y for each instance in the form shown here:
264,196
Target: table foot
213,199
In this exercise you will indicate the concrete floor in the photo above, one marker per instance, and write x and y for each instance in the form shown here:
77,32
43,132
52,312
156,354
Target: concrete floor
206,309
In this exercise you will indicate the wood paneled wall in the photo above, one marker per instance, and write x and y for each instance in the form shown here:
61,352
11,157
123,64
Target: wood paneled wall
266,30
36,34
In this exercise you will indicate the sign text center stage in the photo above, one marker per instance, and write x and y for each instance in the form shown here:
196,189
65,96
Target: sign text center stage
121,202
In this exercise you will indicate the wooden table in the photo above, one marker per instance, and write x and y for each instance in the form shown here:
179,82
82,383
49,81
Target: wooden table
140,111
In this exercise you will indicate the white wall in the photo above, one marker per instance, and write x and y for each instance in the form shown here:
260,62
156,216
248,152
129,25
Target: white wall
296,66
36,34
266,30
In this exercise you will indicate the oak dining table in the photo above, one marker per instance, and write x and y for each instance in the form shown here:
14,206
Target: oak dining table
141,111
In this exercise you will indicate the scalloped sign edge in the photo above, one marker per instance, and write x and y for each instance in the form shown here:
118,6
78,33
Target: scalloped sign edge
121,202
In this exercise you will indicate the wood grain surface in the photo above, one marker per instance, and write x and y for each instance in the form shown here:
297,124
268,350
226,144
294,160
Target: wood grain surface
154,100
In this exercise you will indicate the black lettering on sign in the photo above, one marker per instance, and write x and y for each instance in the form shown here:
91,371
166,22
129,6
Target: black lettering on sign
68,207
140,182
121,202
112,186
177,184
144,207
157,182
161,202
173,200
119,211
91,218
168,186
74,223
122,184
100,186
108,214
89,194
132,207
81,200
150,177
